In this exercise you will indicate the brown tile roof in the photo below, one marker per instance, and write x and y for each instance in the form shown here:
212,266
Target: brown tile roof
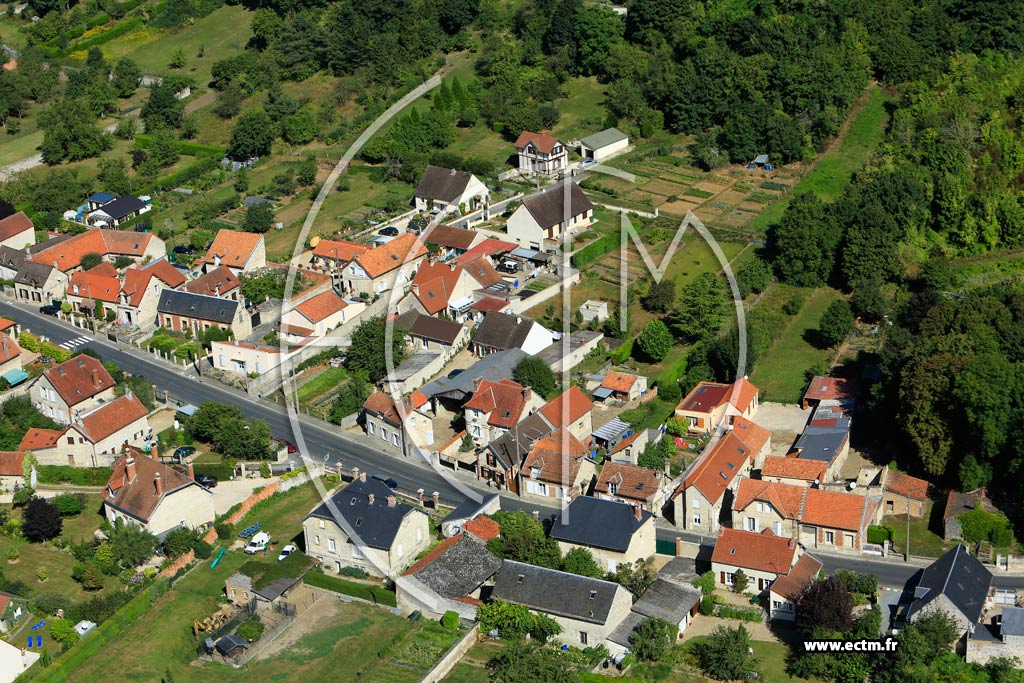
96,287
542,141
834,509
11,463
37,439
103,268
436,329
785,498
905,485
579,404
483,272
707,396
137,496
448,235
794,468
753,435
488,247
15,224
762,551
551,454
339,250
321,306
483,527
111,417
79,378
633,482
831,389
381,404
622,445
233,247
168,274
67,253
217,282
433,285
385,258
717,469
504,401
799,577
9,348
489,303
619,381
957,502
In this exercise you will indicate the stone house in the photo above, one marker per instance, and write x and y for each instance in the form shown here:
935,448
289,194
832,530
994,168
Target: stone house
242,252
140,292
193,314
903,494
785,591
94,291
794,471
97,435
39,283
557,467
633,485
958,503
446,189
673,601
65,253
571,410
613,532
76,384
319,314
389,266
541,154
221,282
449,577
12,471
837,520
760,505
709,404
17,231
763,557
957,584
383,420
496,407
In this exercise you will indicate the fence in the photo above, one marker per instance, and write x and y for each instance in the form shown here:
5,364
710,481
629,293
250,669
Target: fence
248,504
452,657
182,561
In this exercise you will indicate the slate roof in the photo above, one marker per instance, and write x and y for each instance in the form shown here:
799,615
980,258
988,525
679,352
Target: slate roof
548,208
33,273
445,184
494,367
189,305
15,224
79,378
667,600
513,446
762,551
606,137
122,207
960,577
137,497
436,329
502,331
1013,621
377,523
598,523
823,440
556,593
457,567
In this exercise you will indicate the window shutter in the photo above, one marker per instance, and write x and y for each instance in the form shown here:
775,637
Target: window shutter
722,577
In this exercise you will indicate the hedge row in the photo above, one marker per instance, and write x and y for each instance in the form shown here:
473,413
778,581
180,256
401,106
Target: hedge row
95,41
217,470
381,596
596,249
190,172
857,582
741,613
192,149
79,476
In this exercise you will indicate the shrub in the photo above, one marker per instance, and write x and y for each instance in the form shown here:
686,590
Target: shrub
79,476
219,471
225,531
450,620
63,631
857,582
251,629
49,603
373,594
203,550
22,496
741,613
879,534
355,572
69,504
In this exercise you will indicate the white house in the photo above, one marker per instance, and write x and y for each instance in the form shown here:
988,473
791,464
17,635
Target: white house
603,145
451,190
541,154
543,221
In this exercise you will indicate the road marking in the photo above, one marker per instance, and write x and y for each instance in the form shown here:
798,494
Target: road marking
73,343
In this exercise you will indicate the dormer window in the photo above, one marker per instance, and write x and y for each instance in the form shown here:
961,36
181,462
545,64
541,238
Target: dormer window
534,472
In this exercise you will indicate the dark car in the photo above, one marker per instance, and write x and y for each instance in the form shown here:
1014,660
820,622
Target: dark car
182,452
183,249
387,481
454,373
49,309
389,231
206,481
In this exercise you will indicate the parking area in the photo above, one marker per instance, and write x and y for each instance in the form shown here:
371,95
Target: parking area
785,421
227,494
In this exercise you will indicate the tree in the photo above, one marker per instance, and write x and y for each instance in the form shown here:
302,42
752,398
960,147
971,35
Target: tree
636,577
655,341
163,109
252,135
836,323
825,604
806,241
90,260
530,663
70,133
63,631
522,539
514,621
69,504
92,578
258,217
725,655
229,102
126,77
131,545
41,520
180,541
660,297
533,372
300,128
164,150
206,421
700,309
368,341
740,582
652,638
114,176
753,276
706,583
581,561
242,180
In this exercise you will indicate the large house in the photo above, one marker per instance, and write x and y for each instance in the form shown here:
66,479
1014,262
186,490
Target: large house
333,256
571,410
446,189
826,438
709,404
196,313
614,533
450,289
154,496
39,283
957,584
557,467
240,251
91,292
140,292
500,332
541,154
382,420
448,578
97,435
496,407
763,557
220,282
586,609
386,267
65,253
363,525
632,484
70,387
17,231
544,221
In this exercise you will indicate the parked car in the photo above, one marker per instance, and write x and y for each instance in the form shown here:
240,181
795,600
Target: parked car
49,309
389,231
183,452
587,163
387,481
292,448
183,249
206,481
286,551
454,373
258,543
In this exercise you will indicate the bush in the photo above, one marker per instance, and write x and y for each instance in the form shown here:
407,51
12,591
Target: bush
373,594
354,572
69,504
79,476
203,550
597,249
879,534
251,629
741,613
225,531
13,554
857,582
63,631
180,541
450,620
22,496
49,603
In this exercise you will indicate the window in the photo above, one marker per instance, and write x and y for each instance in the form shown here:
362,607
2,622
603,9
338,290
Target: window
778,528
371,428
752,523
399,550
394,438
331,545
384,433
316,539
729,578
696,503
322,523
357,551
696,519
613,488
71,441
830,537
583,637
782,606
419,535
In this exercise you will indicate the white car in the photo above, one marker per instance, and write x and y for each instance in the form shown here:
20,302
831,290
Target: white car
286,551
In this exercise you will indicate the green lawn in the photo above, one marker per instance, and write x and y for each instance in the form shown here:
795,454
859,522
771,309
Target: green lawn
281,516
17,147
321,384
924,541
771,660
780,371
833,171
581,111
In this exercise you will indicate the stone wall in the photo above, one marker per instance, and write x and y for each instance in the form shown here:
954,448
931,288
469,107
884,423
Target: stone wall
452,657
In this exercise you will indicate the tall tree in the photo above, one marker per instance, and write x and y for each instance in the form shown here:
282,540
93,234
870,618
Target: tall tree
655,341
70,133
365,354
806,240
253,134
825,604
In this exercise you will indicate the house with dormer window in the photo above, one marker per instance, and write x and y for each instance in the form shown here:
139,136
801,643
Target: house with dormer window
541,154
386,267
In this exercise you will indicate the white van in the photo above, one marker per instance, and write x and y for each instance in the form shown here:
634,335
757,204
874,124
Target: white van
258,543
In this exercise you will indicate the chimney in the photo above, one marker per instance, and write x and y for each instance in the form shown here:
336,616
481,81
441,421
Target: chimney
369,498
477,381
437,499
159,484
981,492
128,393
216,291
526,393
668,466
392,501
452,172
95,379
129,469
216,261
638,512
419,494
191,471
519,320
362,476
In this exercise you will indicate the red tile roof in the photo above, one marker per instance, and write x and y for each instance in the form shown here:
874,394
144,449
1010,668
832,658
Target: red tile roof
542,141
104,268
320,307
111,417
489,303
619,382
381,403
9,348
403,249
483,527
37,439
716,470
633,482
79,378
14,225
557,457
339,250
488,247
233,248
67,253
763,551
433,285
799,577
831,389
754,435
138,280
707,396
6,323
11,463
794,468
483,272
137,496
218,282
579,404
905,485
168,274
504,400
96,287
834,509
624,444
785,498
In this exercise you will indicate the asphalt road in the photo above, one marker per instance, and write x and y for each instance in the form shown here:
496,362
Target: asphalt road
318,440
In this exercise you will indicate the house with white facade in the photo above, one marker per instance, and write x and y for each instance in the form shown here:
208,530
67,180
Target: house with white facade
544,221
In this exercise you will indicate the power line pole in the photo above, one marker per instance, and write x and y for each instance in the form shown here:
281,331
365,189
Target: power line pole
906,555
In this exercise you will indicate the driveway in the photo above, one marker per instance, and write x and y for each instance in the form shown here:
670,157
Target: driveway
227,494
785,421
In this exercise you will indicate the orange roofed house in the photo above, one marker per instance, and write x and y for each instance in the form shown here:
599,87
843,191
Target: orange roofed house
140,292
389,266
557,467
633,484
710,404
540,153
708,488
622,386
242,252
383,420
154,496
572,410
797,471
496,407
319,314
786,590
763,557
65,253
95,291
17,231
333,256
76,384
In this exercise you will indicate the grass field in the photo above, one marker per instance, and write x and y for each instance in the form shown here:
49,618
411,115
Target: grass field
780,371
836,166
321,384
923,540
17,147
581,111
771,660
281,516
